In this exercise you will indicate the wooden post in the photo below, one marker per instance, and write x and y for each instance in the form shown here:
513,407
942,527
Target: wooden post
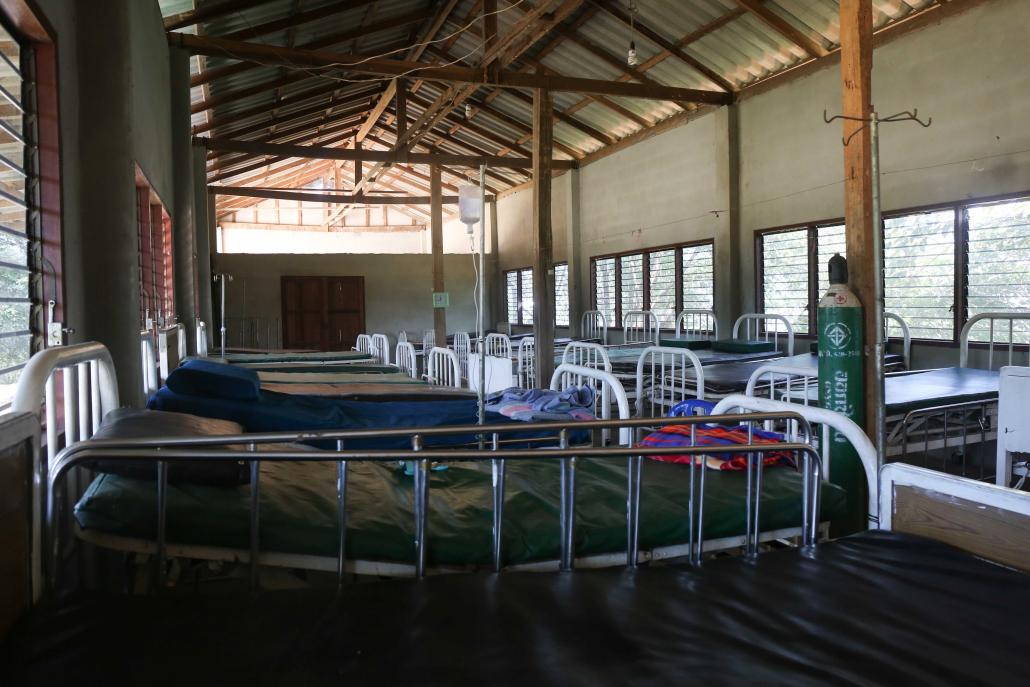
856,29
436,220
543,269
402,108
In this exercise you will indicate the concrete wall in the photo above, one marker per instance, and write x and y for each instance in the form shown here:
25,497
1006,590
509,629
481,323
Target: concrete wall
114,112
398,288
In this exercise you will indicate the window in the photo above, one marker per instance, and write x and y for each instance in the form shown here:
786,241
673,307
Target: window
157,284
20,241
785,276
664,280
561,294
919,272
941,266
519,291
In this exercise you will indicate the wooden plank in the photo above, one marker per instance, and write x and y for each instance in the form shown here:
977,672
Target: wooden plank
543,269
386,156
436,223
401,106
785,28
335,198
856,29
993,533
296,58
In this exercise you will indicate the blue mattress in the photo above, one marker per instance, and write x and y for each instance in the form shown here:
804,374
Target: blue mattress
276,412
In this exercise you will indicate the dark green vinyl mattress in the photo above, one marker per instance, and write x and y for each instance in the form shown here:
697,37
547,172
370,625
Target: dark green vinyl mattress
298,510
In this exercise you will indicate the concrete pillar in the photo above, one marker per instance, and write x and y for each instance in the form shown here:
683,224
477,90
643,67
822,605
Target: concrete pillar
203,223
182,183
728,295
107,192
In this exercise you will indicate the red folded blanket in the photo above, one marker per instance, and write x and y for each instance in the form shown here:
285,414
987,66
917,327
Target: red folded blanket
716,435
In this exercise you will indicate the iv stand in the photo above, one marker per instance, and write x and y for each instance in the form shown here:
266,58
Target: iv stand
482,292
879,346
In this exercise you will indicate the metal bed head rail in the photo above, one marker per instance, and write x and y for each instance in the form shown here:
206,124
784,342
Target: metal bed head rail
594,325
166,450
640,326
991,318
906,335
202,339
668,380
148,363
958,426
697,322
761,329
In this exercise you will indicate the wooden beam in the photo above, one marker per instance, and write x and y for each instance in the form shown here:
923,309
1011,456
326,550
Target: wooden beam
297,19
856,30
784,27
208,11
385,156
350,228
436,222
295,58
401,106
333,198
543,269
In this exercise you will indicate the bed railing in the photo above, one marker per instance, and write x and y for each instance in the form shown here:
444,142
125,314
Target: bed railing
1005,337
586,354
594,325
165,451
442,368
667,381
757,326
406,360
165,362
788,383
906,335
148,363
202,339
462,347
640,326
381,348
428,341
526,369
497,345
363,344
700,323
402,336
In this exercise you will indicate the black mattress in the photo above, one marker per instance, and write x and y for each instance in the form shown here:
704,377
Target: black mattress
873,609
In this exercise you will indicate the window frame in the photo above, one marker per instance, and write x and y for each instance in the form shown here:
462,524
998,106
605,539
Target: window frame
554,294
960,279
645,254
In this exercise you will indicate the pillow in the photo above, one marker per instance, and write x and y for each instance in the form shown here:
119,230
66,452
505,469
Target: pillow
215,380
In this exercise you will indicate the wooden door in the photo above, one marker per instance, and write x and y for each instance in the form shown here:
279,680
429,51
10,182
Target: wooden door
322,313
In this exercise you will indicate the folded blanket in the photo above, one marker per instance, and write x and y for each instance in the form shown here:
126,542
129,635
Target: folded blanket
716,435
530,405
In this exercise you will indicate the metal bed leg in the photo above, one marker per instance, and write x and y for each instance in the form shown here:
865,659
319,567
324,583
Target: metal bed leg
421,507
162,510
341,516
568,506
255,517
498,469
634,466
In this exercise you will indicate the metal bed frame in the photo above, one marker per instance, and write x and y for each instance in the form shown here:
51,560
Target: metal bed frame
406,360
761,322
364,344
381,348
640,326
667,382
594,325
462,346
697,322
497,345
990,318
906,336
202,349
148,362
443,368
526,364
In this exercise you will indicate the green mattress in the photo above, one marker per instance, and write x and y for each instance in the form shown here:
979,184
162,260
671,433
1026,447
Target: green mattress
295,356
693,343
298,510
317,377
743,346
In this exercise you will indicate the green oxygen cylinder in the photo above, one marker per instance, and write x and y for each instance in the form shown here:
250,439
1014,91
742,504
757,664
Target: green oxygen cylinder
842,386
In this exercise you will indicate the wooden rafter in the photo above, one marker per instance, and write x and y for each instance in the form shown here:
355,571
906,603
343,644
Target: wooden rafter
784,27
211,10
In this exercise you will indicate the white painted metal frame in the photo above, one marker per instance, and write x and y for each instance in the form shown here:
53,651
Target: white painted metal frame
667,383
894,475
402,336
695,322
381,348
428,341
756,326
586,354
594,325
788,383
442,368
90,392
607,390
991,318
462,346
406,360
498,345
148,364
640,326
817,416
201,339
364,344
906,335
165,363
526,370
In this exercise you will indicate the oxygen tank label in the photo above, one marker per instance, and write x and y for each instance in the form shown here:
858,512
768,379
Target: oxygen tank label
840,363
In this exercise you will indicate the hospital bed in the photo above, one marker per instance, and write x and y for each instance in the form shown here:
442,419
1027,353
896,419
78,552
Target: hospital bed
300,509
877,608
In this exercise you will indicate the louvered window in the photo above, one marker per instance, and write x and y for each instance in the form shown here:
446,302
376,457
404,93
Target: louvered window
785,276
561,295
919,272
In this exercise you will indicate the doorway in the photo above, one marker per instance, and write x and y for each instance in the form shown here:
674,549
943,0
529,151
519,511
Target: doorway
322,313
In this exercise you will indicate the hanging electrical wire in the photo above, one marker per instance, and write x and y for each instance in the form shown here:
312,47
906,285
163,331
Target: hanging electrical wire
631,55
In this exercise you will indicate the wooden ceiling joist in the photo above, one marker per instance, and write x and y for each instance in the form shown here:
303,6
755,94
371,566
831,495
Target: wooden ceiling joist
297,59
207,12
784,27
306,17
387,156
322,197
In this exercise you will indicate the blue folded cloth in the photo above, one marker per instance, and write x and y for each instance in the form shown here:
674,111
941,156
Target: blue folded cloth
215,380
543,404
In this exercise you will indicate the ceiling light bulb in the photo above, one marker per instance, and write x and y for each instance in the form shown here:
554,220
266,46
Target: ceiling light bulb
631,56
468,111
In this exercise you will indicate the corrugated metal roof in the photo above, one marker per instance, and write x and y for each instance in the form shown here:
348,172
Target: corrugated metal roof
735,44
